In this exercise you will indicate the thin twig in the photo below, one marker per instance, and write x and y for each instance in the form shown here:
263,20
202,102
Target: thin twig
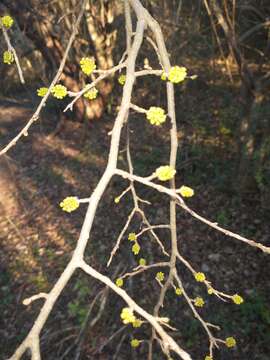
12,49
122,233
183,205
167,340
142,268
103,76
212,339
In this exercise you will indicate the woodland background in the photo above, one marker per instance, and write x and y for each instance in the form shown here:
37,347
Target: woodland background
224,132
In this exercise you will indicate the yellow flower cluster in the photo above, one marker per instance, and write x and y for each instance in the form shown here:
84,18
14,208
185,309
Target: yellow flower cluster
137,323
127,316
132,237
177,74
135,343
199,276
210,291
122,79
163,76
160,276
185,191
91,94
198,301
7,21
142,262
59,91
178,291
230,342
70,204
87,65
208,357
8,57
237,299
136,248
156,115
42,91
119,282
164,173
117,200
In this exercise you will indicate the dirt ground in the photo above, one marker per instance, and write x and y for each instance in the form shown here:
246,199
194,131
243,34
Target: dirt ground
37,239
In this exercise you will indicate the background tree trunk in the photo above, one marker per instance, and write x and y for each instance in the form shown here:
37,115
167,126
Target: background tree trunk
48,27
